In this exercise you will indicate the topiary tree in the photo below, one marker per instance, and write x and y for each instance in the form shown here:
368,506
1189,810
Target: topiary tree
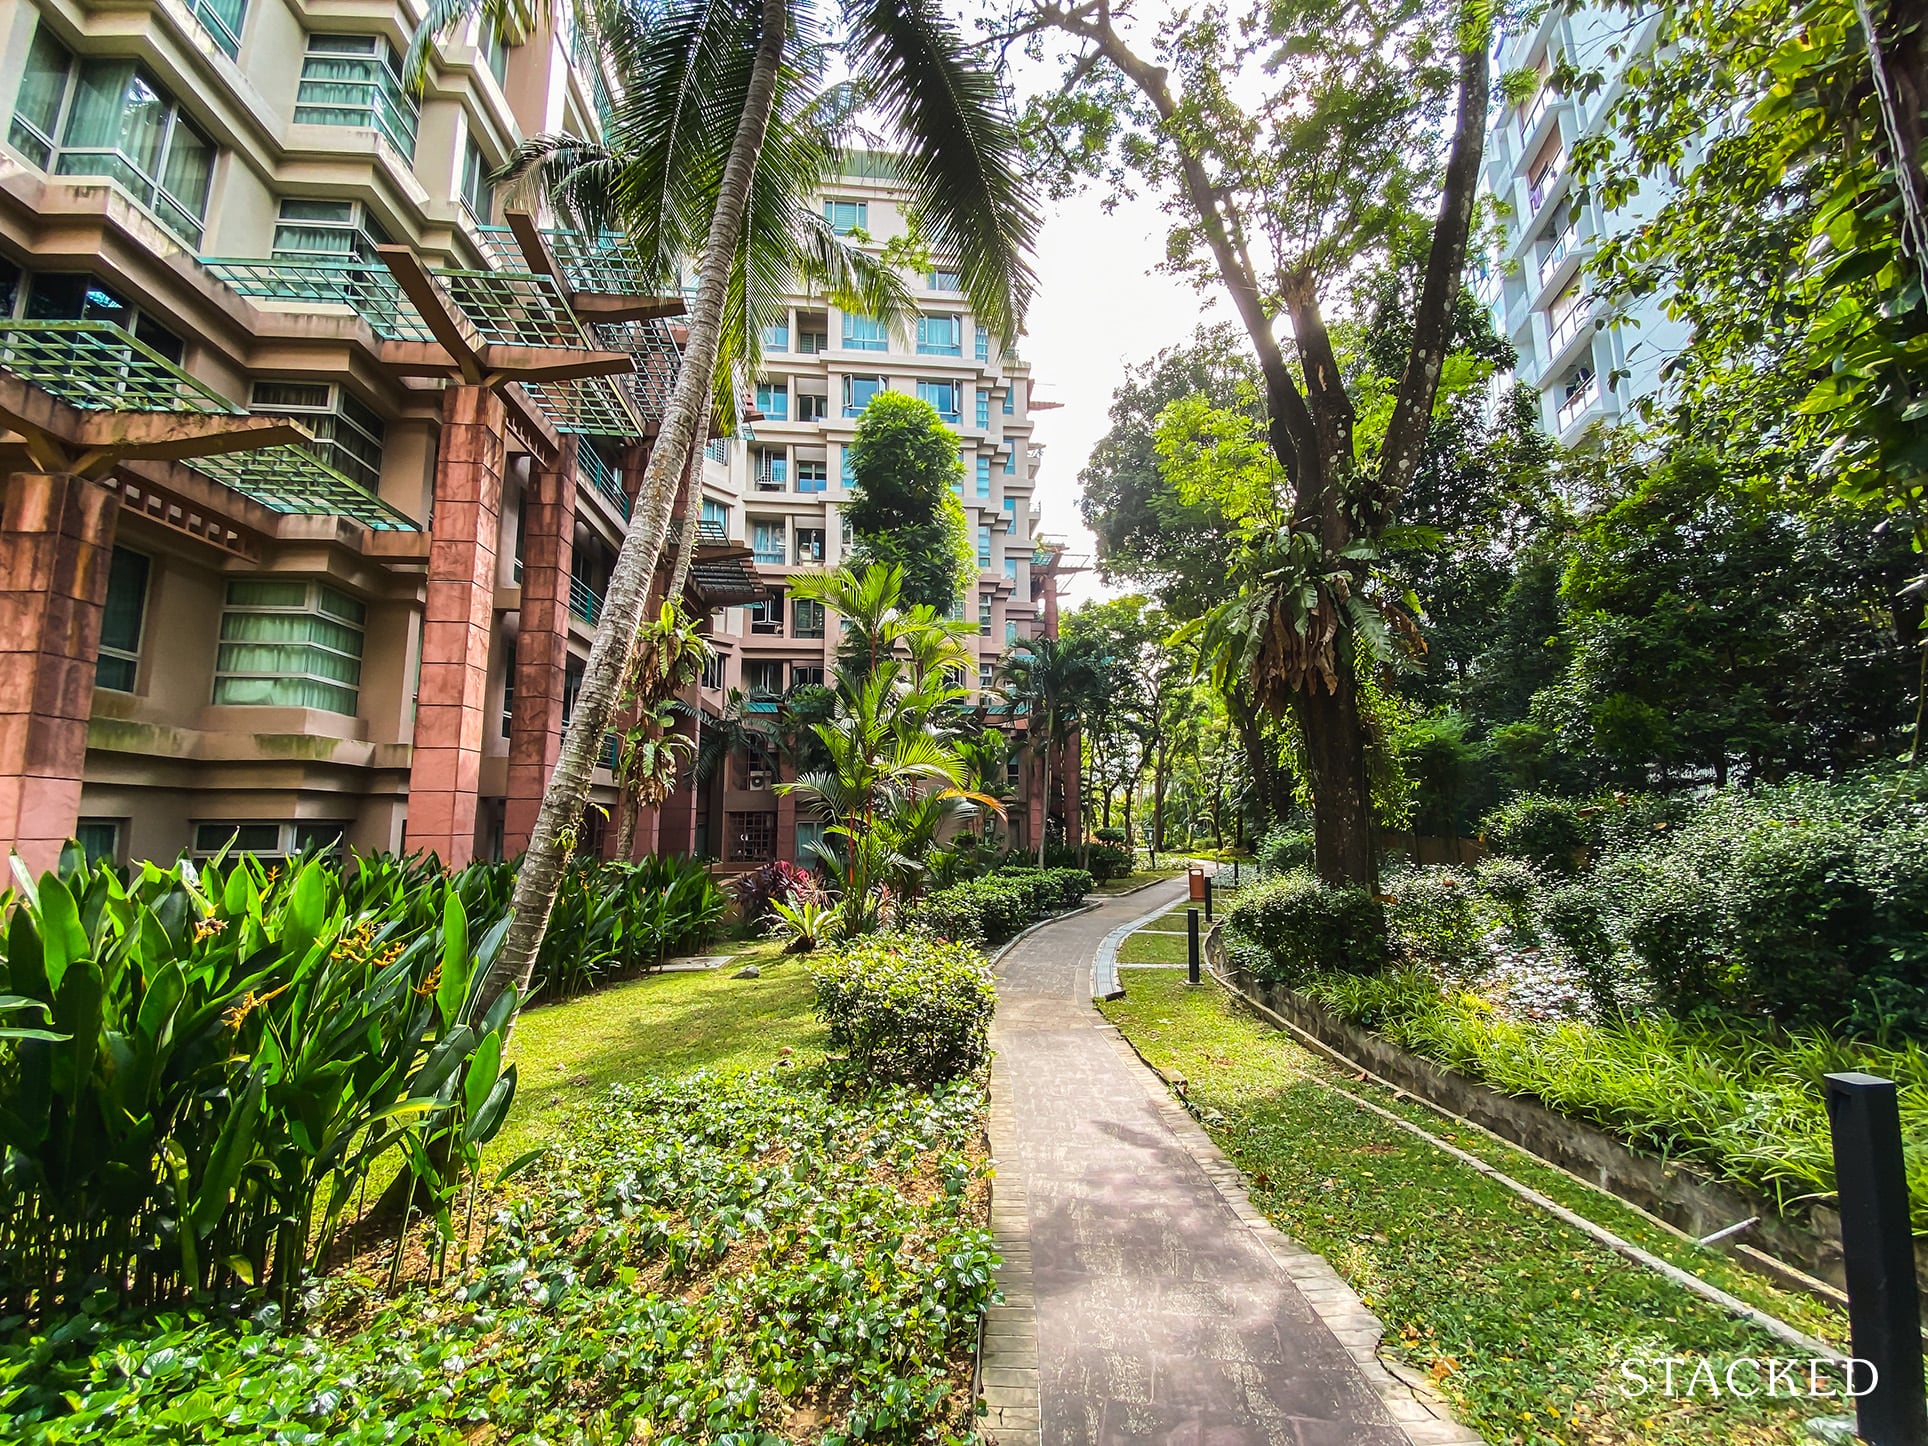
904,508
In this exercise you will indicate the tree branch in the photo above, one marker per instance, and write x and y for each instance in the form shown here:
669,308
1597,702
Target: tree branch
1445,268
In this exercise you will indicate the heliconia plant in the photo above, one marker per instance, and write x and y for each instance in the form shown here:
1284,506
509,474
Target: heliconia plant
227,1052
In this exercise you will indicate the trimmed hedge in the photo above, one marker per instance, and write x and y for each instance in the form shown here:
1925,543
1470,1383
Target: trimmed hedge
906,1008
1304,925
994,908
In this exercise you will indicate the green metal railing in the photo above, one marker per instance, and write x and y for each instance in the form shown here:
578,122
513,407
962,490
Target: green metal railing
96,366
584,601
590,463
368,289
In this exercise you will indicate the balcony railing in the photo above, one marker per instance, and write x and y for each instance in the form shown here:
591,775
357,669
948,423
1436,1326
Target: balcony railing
611,751
590,463
376,102
1578,400
1537,190
584,601
1556,253
1535,109
1563,329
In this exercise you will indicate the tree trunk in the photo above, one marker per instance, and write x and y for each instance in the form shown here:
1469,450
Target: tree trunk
626,812
628,595
692,506
1044,814
1335,751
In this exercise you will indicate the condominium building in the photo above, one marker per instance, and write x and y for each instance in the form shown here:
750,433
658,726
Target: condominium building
789,476
317,459
1588,367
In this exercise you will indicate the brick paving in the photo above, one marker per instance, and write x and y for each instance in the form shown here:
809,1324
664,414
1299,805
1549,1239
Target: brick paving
1146,1301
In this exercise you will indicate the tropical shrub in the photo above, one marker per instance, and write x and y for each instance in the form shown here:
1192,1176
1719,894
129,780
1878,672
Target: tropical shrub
1513,886
1107,861
1431,918
691,1253
1109,835
1284,849
906,1008
992,909
230,1051
1305,924
1550,833
779,879
613,919
1574,917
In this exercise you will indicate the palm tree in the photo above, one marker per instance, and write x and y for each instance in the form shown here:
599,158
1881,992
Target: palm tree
689,74
1048,682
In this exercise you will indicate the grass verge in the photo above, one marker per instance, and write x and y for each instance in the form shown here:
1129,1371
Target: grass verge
1154,946
1127,882
1522,1322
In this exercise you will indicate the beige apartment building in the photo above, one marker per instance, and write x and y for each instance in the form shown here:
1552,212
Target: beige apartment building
317,460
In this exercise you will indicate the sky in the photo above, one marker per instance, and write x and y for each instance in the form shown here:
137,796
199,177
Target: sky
1100,306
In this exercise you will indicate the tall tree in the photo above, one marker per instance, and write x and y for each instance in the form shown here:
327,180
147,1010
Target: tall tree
686,165
1289,144
1049,682
904,509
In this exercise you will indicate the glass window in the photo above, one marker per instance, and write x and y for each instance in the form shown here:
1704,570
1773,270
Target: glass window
803,675
864,333
571,686
776,337
943,280
772,466
983,614
717,449
495,50
99,839
114,120
847,216
289,643
983,344
807,615
1011,568
773,400
811,407
1010,401
849,473
984,547
1010,632
356,80
811,342
477,194
983,408
120,624
1011,463
763,676
717,512
809,544
857,392
750,837
348,434
983,476
326,230
766,541
940,335
941,395
76,296
987,675
813,476
508,686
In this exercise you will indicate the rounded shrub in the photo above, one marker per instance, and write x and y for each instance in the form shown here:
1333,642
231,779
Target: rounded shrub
1107,861
1513,887
1431,918
1283,849
906,1008
1574,916
1550,833
1304,925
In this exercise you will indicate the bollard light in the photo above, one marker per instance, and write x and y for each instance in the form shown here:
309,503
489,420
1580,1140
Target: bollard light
1878,1257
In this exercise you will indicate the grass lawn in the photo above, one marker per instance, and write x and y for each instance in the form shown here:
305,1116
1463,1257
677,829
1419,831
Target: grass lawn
1523,1322
658,1026
1154,946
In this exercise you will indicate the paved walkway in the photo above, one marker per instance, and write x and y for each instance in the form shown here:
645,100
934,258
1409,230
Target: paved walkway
1146,1300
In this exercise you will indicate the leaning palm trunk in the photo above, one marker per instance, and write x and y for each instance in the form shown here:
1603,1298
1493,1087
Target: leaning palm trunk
568,790
1044,814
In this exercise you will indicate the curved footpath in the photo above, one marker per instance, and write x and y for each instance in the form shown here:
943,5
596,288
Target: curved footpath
1146,1300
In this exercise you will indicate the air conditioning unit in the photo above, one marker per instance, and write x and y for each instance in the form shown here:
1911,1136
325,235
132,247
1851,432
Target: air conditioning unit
759,779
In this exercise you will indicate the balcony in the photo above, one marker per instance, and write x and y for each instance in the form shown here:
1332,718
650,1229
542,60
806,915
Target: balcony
584,601
1562,329
1577,401
1535,110
591,466
1543,185
1567,245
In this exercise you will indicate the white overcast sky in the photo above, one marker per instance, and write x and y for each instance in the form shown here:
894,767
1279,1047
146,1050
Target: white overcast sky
1101,305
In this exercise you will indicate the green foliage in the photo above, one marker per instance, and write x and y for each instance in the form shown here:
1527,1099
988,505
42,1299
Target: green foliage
1284,849
1107,861
1575,917
695,1257
1305,925
1432,919
614,919
904,508
992,909
1549,833
1513,886
907,1008
1746,1105
233,1049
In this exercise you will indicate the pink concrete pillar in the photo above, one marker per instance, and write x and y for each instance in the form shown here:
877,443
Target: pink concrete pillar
56,538
446,771
676,819
786,815
542,645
